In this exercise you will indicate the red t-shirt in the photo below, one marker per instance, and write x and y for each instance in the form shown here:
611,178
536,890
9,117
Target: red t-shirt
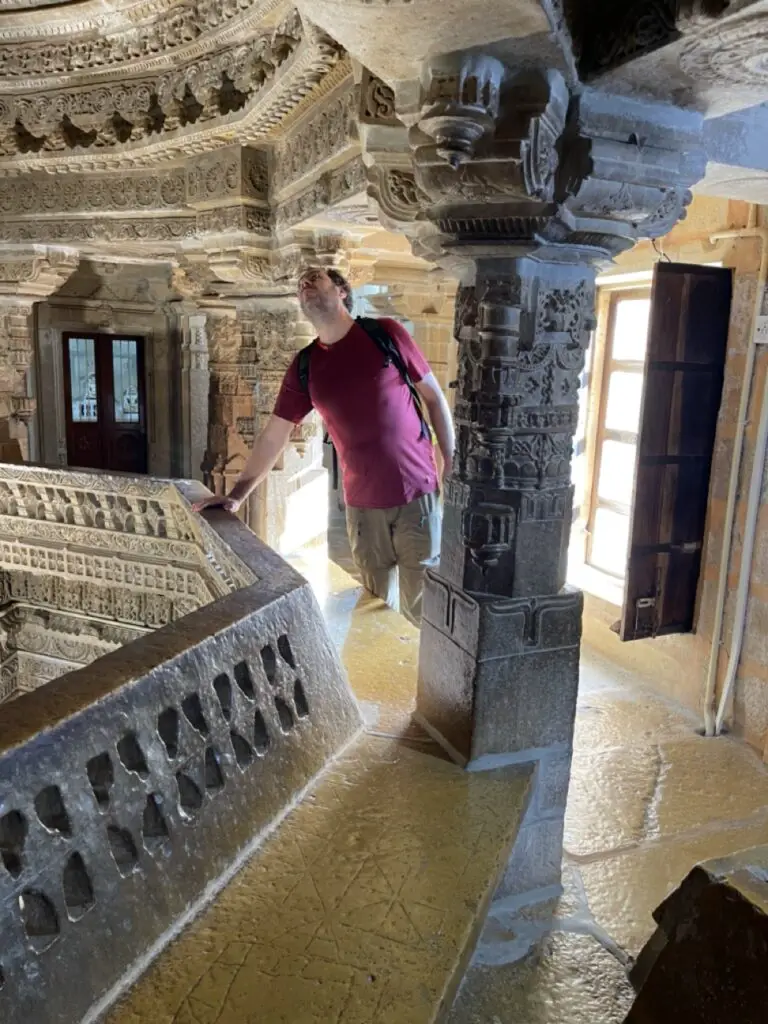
369,414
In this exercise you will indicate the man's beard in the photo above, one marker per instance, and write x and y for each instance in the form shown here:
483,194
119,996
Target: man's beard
317,304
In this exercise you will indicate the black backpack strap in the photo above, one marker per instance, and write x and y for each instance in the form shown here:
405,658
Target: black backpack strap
302,365
389,349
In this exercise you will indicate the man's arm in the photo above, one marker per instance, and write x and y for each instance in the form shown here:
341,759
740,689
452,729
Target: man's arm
440,418
264,454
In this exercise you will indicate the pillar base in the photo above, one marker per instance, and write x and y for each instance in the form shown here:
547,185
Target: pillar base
499,676
498,682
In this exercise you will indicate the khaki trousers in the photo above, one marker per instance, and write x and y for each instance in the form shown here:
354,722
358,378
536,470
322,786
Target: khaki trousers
391,542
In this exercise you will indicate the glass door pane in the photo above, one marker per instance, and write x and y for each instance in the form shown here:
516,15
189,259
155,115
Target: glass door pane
125,376
82,375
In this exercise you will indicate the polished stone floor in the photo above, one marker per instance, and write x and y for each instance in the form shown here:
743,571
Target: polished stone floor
381,851
649,798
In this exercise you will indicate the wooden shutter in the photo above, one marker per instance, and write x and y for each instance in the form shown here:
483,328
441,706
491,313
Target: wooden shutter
687,340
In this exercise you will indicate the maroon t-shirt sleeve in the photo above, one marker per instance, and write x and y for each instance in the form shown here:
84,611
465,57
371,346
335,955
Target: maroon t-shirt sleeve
292,404
417,365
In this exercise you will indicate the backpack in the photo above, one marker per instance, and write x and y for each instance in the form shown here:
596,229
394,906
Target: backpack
388,348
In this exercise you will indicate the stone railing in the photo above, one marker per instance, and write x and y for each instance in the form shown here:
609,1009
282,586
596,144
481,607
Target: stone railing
132,788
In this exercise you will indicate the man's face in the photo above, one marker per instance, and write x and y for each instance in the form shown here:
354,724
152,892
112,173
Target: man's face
318,293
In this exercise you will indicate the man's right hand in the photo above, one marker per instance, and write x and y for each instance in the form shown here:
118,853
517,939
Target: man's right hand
217,501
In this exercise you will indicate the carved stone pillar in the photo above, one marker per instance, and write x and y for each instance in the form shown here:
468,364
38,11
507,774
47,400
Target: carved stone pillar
195,381
26,276
527,190
17,399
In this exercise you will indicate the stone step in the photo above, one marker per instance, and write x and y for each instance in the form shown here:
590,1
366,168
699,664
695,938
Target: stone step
364,906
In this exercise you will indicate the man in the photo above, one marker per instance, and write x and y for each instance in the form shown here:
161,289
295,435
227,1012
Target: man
372,408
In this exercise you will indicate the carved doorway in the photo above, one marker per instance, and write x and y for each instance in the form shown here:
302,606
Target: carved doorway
105,402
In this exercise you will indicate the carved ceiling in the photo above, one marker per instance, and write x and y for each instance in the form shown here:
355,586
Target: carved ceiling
174,130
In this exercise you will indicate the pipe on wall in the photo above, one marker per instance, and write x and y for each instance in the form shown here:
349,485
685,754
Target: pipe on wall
713,716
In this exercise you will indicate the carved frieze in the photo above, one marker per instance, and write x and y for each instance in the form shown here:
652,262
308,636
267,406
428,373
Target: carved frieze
135,123
328,132
99,229
330,188
109,115
236,218
233,173
152,38
97,193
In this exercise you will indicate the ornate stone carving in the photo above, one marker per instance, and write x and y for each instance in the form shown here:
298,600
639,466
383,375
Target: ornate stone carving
125,125
461,103
35,193
608,34
735,52
99,229
233,173
180,30
322,136
242,218
524,206
377,101
399,199
38,274
332,187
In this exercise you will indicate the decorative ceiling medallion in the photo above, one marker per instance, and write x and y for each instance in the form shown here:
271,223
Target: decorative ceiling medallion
735,52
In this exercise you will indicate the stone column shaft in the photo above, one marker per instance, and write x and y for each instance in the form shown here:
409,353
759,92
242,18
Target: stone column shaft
195,383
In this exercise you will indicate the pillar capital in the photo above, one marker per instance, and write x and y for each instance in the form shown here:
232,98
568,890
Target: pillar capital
510,163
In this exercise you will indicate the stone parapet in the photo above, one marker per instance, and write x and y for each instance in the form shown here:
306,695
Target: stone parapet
133,788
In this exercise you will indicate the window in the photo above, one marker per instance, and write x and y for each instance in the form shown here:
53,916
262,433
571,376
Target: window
645,450
621,392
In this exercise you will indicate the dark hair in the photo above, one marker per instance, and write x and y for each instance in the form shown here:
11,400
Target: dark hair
341,282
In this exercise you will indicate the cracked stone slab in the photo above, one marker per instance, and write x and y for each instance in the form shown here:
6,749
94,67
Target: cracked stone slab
622,797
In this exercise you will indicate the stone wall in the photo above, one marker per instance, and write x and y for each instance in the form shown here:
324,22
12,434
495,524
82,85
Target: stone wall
677,665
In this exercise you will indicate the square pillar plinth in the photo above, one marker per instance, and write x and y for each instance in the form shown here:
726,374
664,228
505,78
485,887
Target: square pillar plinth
498,683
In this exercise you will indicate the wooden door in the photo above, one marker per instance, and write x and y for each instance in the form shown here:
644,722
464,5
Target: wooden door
105,402
684,367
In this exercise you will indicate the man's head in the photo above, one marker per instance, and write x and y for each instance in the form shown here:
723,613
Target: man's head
324,293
